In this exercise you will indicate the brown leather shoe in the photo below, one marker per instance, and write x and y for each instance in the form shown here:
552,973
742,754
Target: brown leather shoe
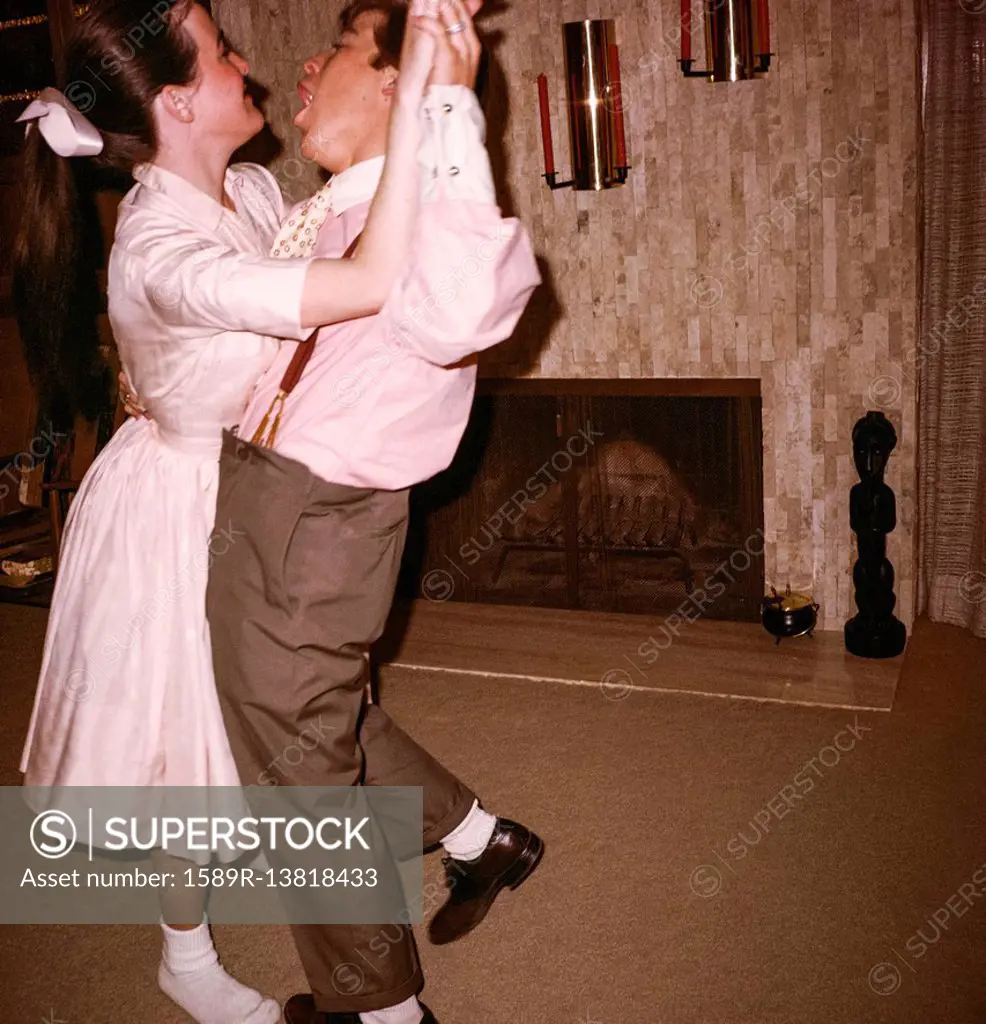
510,857
301,1010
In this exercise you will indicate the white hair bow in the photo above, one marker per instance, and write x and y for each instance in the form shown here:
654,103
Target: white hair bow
62,125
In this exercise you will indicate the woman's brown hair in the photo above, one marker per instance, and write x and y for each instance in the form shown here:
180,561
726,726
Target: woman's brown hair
121,55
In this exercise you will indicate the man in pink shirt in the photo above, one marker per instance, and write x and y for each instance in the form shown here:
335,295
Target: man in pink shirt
315,483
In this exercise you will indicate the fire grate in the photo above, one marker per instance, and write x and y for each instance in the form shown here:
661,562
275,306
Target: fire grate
612,502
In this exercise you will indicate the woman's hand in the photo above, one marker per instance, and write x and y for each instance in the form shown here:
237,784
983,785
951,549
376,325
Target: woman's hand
130,401
417,56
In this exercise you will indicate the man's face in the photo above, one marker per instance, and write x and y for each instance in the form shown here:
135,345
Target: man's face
346,101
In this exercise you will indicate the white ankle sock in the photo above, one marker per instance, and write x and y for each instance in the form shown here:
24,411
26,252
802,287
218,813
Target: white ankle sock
408,1012
191,975
468,840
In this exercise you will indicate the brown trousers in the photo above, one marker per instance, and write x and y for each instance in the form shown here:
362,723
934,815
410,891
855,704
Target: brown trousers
303,587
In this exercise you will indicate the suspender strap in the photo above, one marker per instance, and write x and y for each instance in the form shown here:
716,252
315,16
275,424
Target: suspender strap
292,375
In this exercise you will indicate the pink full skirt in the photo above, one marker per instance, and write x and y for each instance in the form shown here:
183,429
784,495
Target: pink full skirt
127,695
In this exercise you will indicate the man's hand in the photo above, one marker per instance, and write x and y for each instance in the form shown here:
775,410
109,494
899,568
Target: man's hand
440,48
130,401
457,47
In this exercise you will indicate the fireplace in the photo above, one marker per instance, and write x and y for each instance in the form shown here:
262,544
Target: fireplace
618,496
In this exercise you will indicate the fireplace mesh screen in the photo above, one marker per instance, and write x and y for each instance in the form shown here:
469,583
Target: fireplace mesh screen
623,503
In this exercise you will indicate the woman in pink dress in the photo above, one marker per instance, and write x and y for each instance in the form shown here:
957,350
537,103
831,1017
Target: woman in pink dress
126,695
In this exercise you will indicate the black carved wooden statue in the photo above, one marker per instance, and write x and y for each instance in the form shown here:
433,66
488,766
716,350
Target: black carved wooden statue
875,632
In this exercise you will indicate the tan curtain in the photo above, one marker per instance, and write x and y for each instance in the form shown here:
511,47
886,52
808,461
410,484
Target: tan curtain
951,358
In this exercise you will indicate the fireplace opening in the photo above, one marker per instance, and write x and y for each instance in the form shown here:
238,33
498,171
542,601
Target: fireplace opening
617,496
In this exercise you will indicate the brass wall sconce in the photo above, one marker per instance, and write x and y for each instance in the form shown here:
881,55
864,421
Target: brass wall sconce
595,109
737,39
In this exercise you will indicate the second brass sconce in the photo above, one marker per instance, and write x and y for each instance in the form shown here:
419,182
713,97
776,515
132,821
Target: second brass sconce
737,39
595,109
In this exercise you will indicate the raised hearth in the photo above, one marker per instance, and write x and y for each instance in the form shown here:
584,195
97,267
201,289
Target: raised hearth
624,658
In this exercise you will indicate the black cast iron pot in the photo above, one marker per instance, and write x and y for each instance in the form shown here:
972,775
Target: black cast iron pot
788,615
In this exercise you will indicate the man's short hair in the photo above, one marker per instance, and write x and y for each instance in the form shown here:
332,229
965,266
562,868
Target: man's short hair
389,35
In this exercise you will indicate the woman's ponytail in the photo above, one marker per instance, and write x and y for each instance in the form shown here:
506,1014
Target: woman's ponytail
54,296
56,252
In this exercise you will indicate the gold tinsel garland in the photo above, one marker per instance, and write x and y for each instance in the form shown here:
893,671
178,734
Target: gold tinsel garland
36,19
19,97
39,19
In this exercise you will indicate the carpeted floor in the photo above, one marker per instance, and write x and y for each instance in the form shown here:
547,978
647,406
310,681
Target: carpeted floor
708,861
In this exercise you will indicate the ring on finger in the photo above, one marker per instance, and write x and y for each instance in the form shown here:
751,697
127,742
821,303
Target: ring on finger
455,29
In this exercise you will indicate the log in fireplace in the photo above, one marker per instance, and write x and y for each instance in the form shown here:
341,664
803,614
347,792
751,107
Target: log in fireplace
641,496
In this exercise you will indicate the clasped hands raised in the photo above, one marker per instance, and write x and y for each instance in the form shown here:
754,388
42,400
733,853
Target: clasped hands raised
441,47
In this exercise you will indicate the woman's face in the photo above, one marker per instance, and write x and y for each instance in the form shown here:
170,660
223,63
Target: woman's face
222,108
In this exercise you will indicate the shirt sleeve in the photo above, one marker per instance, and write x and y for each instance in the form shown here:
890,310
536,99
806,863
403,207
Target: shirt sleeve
466,285
455,163
471,271
200,282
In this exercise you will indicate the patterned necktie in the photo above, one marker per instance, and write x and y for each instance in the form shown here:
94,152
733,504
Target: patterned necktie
296,240
299,233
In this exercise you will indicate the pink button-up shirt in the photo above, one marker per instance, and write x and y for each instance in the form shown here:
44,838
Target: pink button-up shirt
385,399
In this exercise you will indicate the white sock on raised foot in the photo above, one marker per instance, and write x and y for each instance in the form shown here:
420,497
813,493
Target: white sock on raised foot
408,1012
468,840
191,975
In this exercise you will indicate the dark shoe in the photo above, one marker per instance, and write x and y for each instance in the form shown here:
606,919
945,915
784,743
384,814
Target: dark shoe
301,1010
510,857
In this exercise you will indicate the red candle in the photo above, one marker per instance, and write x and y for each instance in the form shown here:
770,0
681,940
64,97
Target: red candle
578,147
686,29
763,21
617,94
549,153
